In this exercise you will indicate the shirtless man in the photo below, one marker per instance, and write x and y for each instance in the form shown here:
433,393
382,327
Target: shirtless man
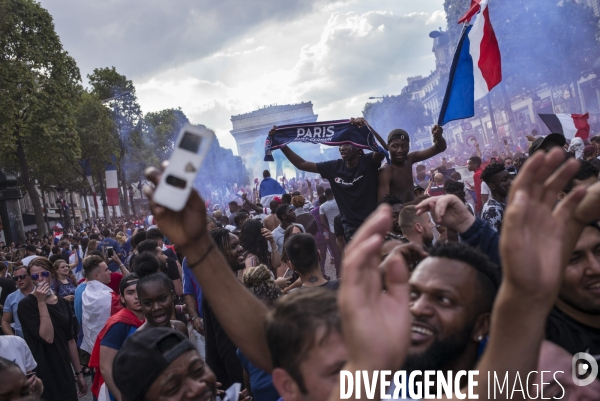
271,222
397,178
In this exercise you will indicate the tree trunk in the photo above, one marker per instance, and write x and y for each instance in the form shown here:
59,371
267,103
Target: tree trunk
87,205
31,190
132,203
125,208
103,197
45,210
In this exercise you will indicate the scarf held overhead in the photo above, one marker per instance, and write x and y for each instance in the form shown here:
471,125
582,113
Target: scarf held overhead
331,133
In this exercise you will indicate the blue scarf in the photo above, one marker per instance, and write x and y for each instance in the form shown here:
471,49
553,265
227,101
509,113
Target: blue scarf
332,133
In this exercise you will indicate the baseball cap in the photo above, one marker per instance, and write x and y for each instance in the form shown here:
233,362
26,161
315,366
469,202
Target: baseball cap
31,248
540,142
144,356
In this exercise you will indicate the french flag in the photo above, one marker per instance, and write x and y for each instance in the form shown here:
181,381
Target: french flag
569,125
476,67
112,185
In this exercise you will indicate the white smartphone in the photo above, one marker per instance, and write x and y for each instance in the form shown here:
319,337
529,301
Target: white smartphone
175,185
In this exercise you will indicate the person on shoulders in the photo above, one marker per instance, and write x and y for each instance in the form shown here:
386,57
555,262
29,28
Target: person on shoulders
397,178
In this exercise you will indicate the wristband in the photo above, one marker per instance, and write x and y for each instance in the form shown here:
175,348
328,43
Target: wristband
195,264
194,318
78,373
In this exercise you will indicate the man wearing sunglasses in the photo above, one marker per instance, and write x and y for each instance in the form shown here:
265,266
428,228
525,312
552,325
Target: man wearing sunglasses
24,288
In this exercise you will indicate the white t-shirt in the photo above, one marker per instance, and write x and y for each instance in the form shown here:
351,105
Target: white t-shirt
15,349
28,259
330,210
485,190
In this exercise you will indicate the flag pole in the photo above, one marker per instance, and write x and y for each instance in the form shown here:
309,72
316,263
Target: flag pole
492,119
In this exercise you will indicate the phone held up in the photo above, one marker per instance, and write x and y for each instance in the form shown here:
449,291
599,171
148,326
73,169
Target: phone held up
175,185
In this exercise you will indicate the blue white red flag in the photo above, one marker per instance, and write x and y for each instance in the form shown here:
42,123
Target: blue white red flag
476,67
112,183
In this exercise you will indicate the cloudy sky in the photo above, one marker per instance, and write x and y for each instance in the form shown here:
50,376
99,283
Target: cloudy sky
215,59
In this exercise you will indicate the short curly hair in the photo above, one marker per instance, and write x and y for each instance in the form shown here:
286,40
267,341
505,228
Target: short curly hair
490,171
488,274
298,201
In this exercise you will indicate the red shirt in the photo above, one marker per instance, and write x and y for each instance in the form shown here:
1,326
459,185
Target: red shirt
115,280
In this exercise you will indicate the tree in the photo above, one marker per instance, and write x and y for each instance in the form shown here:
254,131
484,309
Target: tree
163,127
95,127
396,112
40,86
119,93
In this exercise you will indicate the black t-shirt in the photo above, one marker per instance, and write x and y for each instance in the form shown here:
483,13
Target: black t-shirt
53,361
172,271
354,189
330,285
7,286
571,335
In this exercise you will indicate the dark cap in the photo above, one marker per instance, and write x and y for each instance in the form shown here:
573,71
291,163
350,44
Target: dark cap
144,356
398,134
31,248
539,143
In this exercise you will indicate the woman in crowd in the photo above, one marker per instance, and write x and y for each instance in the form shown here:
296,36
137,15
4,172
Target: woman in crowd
256,241
285,268
258,382
63,284
156,295
47,323
92,246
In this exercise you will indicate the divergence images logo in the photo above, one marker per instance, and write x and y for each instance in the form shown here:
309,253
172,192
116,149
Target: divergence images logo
584,365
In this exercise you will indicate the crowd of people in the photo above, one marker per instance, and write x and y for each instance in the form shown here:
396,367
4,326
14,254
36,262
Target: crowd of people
385,262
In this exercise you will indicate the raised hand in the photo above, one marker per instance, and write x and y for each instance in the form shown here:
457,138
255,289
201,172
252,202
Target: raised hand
437,130
534,233
448,211
363,304
184,228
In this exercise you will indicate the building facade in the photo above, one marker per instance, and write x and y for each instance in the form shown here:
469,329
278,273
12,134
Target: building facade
250,131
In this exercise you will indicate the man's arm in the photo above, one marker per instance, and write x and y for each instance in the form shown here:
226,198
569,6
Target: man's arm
439,145
192,308
6,319
383,187
299,162
107,356
257,209
240,313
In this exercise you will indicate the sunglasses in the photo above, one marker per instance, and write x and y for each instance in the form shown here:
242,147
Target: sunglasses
21,277
36,276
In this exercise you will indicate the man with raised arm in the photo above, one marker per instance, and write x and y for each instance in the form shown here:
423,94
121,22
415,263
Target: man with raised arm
353,179
397,178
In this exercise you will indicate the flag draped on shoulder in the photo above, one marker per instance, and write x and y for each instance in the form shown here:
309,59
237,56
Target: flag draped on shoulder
332,133
569,125
476,67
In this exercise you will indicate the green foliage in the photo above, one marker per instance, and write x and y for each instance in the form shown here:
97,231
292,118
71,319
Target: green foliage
163,127
39,82
40,86
118,93
396,112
